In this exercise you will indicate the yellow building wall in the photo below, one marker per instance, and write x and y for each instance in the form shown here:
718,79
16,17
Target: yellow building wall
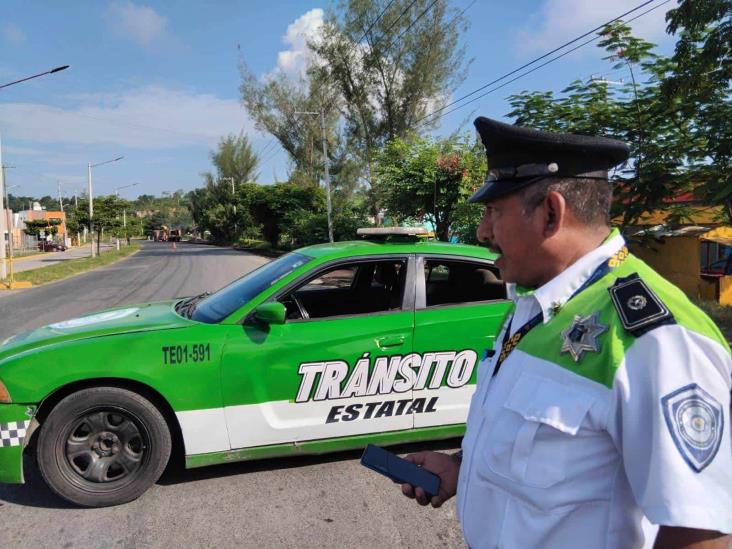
725,290
677,259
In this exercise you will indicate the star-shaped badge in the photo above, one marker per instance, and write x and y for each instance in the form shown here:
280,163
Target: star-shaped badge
582,336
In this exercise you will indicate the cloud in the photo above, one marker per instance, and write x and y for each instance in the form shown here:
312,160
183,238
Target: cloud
561,20
151,117
294,61
140,23
13,34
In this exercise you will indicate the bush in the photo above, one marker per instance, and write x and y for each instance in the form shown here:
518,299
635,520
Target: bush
720,314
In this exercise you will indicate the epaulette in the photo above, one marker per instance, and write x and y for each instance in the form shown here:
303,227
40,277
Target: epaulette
639,308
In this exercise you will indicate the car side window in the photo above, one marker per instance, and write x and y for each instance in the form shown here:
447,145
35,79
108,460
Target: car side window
341,277
448,281
363,287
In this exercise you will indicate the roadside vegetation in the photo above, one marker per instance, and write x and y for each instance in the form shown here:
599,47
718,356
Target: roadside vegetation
73,267
377,92
376,87
720,314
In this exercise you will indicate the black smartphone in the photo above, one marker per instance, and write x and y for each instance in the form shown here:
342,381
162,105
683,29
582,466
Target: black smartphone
400,470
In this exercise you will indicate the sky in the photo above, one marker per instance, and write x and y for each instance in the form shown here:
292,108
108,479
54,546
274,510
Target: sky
158,82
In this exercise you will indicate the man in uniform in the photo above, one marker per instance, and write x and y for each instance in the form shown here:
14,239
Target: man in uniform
609,395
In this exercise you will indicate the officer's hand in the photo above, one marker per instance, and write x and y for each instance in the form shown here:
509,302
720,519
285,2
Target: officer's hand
444,466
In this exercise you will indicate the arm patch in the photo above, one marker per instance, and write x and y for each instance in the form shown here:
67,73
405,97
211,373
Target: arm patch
639,308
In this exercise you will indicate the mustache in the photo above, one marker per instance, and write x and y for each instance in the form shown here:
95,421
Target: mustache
492,246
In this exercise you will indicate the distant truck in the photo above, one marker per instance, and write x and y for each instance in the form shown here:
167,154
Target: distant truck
174,235
161,235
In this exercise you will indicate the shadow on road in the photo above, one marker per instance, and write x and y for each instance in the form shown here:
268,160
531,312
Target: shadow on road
35,493
180,475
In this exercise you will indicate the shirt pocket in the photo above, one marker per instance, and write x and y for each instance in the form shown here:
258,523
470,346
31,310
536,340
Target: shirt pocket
532,435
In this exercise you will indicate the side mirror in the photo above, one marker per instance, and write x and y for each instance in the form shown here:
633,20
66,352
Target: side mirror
271,313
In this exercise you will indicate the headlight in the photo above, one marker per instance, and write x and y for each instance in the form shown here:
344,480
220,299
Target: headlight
4,395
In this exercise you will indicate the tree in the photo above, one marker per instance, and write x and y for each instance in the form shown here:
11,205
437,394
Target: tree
698,89
235,158
377,70
635,112
37,226
273,105
408,66
429,179
217,207
107,215
153,223
278,207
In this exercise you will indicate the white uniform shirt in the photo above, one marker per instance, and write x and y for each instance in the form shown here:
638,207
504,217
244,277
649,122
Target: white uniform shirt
554,459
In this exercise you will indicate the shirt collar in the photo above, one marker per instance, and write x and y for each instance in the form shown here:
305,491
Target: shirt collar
555,293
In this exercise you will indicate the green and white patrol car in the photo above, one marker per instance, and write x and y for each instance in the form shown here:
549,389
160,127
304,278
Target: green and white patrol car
327,348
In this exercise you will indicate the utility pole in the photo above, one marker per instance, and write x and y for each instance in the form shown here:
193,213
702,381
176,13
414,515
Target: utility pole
3,266
91,208
233,193
11,283
91,199
60,198
326,162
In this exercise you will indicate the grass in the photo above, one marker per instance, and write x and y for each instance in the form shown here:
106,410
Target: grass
720,314
261,247
73,267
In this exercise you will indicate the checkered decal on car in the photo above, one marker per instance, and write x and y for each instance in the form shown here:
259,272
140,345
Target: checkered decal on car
13,433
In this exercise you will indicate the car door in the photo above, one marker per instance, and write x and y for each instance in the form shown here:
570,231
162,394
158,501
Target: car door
460,305
338,366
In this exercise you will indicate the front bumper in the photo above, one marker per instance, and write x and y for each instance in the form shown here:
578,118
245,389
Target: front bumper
15,425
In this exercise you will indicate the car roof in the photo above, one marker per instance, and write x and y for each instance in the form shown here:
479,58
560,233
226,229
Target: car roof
337,250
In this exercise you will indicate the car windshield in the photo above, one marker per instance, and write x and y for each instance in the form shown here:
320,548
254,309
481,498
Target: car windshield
228,299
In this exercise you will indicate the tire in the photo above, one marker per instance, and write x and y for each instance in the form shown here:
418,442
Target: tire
103,446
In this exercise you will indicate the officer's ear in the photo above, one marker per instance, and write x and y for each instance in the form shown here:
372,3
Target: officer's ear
555,213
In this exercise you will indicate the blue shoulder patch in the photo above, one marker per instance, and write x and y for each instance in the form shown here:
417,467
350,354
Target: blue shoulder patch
696,423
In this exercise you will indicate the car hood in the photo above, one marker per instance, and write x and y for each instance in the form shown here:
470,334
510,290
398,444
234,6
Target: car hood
120,320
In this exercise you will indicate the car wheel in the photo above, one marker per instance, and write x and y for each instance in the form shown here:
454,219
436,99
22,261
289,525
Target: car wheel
103,446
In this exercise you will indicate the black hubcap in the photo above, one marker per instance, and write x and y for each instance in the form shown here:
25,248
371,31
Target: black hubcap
105,446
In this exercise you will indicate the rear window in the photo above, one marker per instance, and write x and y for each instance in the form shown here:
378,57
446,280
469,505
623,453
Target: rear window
448,282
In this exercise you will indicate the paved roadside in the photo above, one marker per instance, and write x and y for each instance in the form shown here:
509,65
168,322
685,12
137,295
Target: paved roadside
51,258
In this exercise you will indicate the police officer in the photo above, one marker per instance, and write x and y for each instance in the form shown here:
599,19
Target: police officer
609,395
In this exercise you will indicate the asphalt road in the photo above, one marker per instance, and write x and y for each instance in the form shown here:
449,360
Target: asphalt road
308,501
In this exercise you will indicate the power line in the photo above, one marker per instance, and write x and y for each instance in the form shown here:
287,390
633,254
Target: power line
536,60
405,31
394,23
378,18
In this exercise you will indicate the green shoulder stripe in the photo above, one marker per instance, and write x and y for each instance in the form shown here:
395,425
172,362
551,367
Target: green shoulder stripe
545,341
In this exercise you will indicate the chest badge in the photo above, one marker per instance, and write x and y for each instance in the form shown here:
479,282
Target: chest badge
583,335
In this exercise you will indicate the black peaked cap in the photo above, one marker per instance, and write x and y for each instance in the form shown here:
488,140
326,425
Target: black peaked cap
520,156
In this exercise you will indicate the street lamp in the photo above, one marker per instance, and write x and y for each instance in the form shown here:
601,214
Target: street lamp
57,69
118,189
91,198
326,161
124,211
3,267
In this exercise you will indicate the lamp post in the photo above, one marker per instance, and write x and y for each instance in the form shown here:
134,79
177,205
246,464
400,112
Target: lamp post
91,198
57,69
124,211
326,162
11,282
3,267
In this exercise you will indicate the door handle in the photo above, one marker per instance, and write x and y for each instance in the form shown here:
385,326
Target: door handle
389,341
